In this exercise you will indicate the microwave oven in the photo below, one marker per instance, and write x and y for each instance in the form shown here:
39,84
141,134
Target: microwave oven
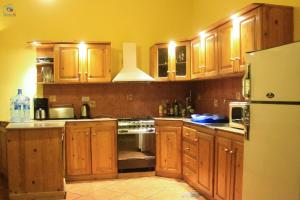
238,115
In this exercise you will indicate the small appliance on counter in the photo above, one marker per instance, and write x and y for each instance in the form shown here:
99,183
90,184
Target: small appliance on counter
238,114
41,108
85,111
62,111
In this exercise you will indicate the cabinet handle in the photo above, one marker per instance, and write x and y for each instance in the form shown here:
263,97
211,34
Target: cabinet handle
237,58
231,152
187,162
187,134
202,66
87,134
232,59
187,149
226,150
196,140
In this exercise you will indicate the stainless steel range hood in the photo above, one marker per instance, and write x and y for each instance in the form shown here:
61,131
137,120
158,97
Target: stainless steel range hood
130,72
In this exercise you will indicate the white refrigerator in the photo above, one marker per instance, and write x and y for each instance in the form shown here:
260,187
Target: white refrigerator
272,151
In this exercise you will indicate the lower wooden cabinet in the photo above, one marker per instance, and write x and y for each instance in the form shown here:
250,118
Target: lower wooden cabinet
212,162
228,169
168,149
91,150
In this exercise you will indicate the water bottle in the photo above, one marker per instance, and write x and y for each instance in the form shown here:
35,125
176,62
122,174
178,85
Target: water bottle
26,109
20,108
16,107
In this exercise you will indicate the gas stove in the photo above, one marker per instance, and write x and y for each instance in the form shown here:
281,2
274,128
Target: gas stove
136,126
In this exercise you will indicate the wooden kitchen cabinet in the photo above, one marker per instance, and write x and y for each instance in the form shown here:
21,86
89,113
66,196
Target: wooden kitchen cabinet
91,150
170,63
82,63
197,58
168,148
104,149
256,27
78,150
228,168
205,162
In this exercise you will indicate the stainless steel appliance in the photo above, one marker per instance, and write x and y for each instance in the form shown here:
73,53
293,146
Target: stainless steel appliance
41,109
238,114
271,155
136,145
61,112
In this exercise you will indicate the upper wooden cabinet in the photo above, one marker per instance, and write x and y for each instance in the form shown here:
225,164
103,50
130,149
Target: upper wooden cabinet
170,61
224,45
168,149
82,63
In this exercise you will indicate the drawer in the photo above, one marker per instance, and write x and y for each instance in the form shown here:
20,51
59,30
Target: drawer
190,149
189,174
189,134
190,162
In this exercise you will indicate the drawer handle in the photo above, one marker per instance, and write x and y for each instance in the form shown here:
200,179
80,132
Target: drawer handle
231,152
187,149
187,134
196,140
226,150
187,162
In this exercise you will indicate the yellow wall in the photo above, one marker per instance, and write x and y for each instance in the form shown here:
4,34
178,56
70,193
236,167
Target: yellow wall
142,21
206,12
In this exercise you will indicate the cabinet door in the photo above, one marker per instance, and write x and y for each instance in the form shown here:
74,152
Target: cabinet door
98,63
182,61
168,144
222,169
211,54
226,47
78,151
205,162
237,153
160,62
104,150
250,35
197,58
67,63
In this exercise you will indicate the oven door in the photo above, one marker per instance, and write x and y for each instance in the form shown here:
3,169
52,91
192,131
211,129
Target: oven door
136,151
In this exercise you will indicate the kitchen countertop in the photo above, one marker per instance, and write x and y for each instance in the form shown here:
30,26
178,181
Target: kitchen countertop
215,126
50,123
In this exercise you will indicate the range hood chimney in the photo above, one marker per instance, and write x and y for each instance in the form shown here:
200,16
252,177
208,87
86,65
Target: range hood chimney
130,72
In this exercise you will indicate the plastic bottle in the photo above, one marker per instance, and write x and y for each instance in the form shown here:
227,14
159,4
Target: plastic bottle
16,107
20,108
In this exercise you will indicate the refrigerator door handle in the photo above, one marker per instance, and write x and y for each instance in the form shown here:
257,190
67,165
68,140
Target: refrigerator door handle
246,122
246,82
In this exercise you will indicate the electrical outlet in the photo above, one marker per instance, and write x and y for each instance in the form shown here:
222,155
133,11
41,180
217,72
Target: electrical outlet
85,99
52,98
216,103
238,96
92,104
129,97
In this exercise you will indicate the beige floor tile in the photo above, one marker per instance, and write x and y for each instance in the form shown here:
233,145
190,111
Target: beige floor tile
72,196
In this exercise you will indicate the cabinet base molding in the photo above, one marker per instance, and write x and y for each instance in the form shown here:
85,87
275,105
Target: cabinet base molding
91,177
39,195
168,175
192,184
136,174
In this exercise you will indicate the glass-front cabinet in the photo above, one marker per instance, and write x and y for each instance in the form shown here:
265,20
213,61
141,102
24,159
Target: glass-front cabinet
170,61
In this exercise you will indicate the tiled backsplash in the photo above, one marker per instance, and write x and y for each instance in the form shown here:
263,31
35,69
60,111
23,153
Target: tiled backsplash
213,96
120,99
143,99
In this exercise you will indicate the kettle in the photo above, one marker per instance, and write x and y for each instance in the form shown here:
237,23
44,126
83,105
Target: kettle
85,111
